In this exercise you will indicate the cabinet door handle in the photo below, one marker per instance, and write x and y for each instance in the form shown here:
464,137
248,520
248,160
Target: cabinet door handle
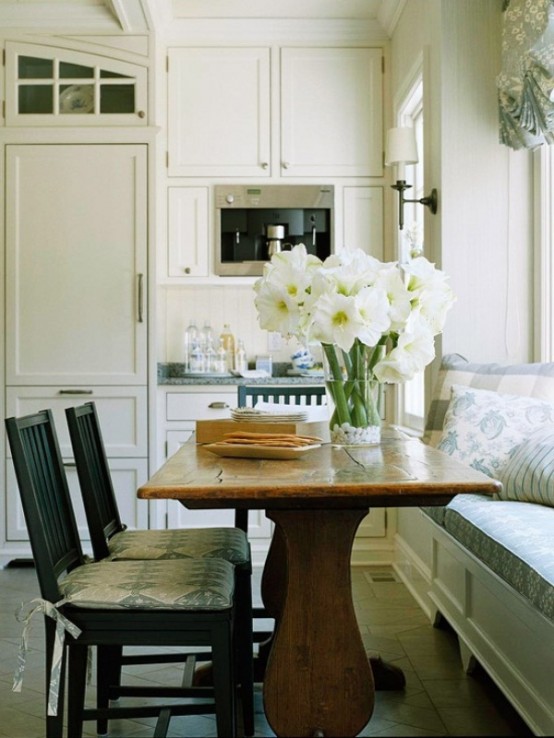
69,464
140,297
265,164
75,392
286,165
218,405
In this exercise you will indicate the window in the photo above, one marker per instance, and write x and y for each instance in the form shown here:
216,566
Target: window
411,395
60,87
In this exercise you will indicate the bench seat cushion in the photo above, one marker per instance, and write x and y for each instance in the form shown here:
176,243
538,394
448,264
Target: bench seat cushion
514,539
230,544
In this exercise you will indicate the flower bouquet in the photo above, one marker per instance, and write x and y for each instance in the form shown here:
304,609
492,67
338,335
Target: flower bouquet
375,321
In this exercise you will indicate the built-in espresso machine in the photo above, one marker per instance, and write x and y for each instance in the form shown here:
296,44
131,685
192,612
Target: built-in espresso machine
254,222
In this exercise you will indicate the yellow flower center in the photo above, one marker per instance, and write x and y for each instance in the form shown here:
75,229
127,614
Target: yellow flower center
340,318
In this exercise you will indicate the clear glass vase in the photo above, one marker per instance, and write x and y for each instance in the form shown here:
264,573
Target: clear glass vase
354,394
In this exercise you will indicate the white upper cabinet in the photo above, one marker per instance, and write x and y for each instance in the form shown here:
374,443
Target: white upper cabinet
363,220
187,253
76,258
331,112
219,112
47,86
325,120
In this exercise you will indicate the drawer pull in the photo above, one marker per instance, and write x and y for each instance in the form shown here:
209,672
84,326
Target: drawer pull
219,405
75,392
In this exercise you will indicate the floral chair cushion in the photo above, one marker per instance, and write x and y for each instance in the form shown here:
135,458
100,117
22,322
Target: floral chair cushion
529,474
230,544
529,380
194,584
482,428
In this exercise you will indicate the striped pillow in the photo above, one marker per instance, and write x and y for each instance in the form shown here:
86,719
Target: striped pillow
529,475
529,380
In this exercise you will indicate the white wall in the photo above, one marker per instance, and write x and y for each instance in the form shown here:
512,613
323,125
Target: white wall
486,225
178,306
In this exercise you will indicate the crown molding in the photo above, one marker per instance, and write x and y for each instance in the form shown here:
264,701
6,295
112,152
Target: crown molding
389,14
274,30
59,16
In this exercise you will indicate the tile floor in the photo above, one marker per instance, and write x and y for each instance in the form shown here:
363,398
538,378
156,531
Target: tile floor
439,698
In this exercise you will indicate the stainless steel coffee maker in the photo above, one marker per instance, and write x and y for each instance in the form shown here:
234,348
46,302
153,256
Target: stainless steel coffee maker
275,235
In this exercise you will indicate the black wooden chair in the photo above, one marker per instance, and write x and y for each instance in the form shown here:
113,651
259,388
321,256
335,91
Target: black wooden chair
111,540
248,396
114,604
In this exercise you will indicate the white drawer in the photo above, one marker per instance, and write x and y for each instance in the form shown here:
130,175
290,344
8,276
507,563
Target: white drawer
122,412
200,405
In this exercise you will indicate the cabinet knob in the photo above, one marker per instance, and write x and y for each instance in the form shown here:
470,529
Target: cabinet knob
286,164
265,164
186,270
141,114
219,405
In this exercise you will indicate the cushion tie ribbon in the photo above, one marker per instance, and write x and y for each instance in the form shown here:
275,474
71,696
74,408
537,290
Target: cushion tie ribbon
63,625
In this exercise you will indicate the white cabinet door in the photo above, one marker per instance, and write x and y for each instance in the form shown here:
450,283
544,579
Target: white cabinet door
122,413
187,254
331,112
127,476
219,112
363,220
76,231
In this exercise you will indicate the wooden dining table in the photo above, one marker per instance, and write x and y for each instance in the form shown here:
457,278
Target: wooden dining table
318,680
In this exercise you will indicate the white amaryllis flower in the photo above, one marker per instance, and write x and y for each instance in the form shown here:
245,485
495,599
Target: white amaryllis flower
336,319
277,310
374,310
394,284
413,352
430,293
350,271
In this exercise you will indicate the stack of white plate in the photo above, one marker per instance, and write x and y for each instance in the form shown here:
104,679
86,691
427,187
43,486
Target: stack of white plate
251,414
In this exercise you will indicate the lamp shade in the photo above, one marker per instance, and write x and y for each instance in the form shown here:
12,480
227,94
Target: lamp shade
401,146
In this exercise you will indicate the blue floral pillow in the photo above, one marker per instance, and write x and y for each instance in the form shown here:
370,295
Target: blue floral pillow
483,428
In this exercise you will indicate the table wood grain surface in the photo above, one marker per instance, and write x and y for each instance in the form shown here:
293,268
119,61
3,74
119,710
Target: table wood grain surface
318,679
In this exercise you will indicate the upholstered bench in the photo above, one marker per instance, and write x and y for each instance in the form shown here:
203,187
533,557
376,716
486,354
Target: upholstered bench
492,572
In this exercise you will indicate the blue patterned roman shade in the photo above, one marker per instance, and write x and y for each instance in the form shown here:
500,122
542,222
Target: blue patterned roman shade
526,81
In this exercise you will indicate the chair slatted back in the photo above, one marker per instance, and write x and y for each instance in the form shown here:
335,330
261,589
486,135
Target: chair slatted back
248,395
45,499
95,480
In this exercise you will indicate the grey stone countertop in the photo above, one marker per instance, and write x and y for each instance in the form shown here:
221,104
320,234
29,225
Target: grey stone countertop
174,374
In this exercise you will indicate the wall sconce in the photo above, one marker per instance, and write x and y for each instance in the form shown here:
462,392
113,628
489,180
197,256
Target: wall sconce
402,150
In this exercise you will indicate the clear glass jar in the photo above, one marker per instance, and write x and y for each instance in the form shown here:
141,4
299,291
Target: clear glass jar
190,340
221,358
197,361
241,364
210,356
229,346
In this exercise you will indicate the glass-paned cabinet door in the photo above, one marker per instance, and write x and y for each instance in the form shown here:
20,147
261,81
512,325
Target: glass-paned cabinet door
50,86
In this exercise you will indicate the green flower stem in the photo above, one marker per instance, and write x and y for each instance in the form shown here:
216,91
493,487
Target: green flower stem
336,387
359,414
